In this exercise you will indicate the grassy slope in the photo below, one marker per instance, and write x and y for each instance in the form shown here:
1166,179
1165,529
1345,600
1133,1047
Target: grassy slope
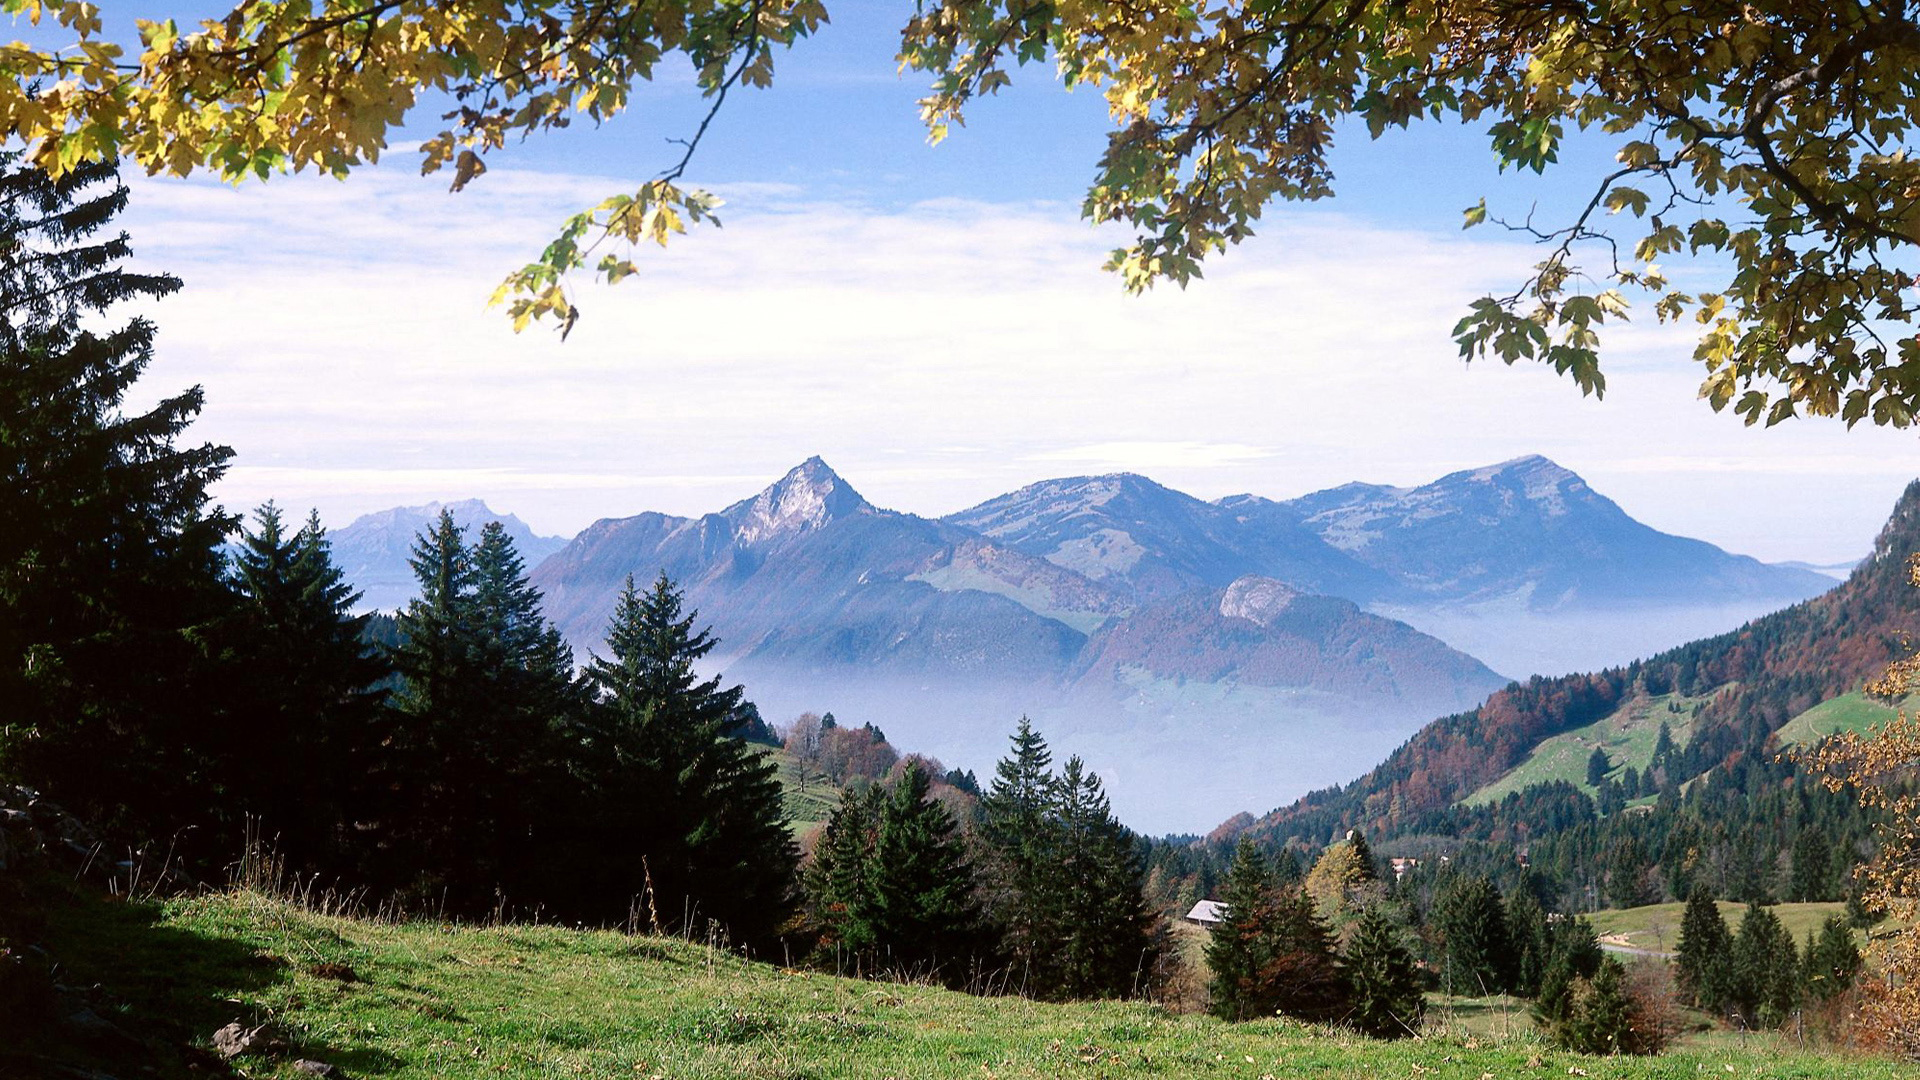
429,1000
1657,926
1848,712
809,806
1628,734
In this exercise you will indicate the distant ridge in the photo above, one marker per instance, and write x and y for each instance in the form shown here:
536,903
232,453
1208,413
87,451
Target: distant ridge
374,548
1756,678
1216,654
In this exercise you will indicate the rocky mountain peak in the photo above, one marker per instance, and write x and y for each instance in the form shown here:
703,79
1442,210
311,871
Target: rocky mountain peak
1258,599
809,496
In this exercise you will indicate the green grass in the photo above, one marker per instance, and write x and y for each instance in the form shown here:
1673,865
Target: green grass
1848,712
806,804
1657,926
1628,734
464,1003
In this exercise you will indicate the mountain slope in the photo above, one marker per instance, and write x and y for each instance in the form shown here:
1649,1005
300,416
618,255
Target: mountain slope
1532,529
822,600
1751,682
373,550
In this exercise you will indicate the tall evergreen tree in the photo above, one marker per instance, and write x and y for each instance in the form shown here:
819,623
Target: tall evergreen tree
1472,923
1832,960
693,812
1017,825
1528,929
1766,978
1384,982
1704,953
836,881
474,786
111,697
920,886
309,701
1104,941
1272,953
1598,766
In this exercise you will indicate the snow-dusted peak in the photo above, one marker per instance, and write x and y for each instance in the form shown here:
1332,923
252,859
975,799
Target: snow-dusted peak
808,497
1539,479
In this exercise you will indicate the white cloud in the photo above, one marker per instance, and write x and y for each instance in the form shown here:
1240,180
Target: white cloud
936,354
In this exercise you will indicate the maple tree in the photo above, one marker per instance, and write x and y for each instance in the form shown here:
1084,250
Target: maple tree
1769,139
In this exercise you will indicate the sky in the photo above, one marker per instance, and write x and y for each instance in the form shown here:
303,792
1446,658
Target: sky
932,320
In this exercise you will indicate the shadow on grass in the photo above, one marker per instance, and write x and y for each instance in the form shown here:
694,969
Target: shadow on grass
136,996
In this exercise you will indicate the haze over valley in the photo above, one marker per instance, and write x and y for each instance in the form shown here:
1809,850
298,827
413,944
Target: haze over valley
1206,657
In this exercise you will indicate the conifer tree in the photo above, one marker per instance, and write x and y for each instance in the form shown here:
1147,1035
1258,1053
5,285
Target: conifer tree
1236,948
310,703
920,886
110,570
1018,827
1384,981
836,880
1766,978
694,813
1105,942
1703,955
486,701
1527,927
1598,766
1271,953
1832,960
1603,1019
1477,948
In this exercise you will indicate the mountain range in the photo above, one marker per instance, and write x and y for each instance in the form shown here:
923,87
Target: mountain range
1205,656
1787,678
374,549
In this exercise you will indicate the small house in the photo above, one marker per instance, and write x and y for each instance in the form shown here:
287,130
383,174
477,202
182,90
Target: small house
1208,913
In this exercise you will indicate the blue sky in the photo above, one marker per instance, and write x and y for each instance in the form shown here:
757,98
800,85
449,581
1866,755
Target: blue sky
933,320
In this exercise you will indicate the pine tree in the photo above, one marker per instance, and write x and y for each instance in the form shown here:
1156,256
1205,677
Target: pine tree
1105,942
1598,766
1235,949
1832,960
1703,954
1812,868
1384,981
836,879
1765,981
111,591
487,704
1602,1021
920,886
1472,923
1527,927
1272,953
1018,827
693,812
309,696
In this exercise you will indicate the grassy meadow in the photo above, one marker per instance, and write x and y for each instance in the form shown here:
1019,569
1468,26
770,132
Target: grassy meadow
1628,734
1656,927
418,1000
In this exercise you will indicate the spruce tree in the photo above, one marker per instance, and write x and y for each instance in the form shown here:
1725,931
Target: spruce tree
1765,980
309,697
1598,766
1528,929
1832,960
836,879
1236,949
112,694
1478,949
692,812
1703,955
1018,825
920,886
1384,982
1105,943
1272,953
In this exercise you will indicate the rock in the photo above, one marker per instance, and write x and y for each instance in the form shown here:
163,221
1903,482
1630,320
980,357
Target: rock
313,1068
233,1040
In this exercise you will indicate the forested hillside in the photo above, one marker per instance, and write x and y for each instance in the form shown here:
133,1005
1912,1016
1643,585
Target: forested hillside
1753,682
